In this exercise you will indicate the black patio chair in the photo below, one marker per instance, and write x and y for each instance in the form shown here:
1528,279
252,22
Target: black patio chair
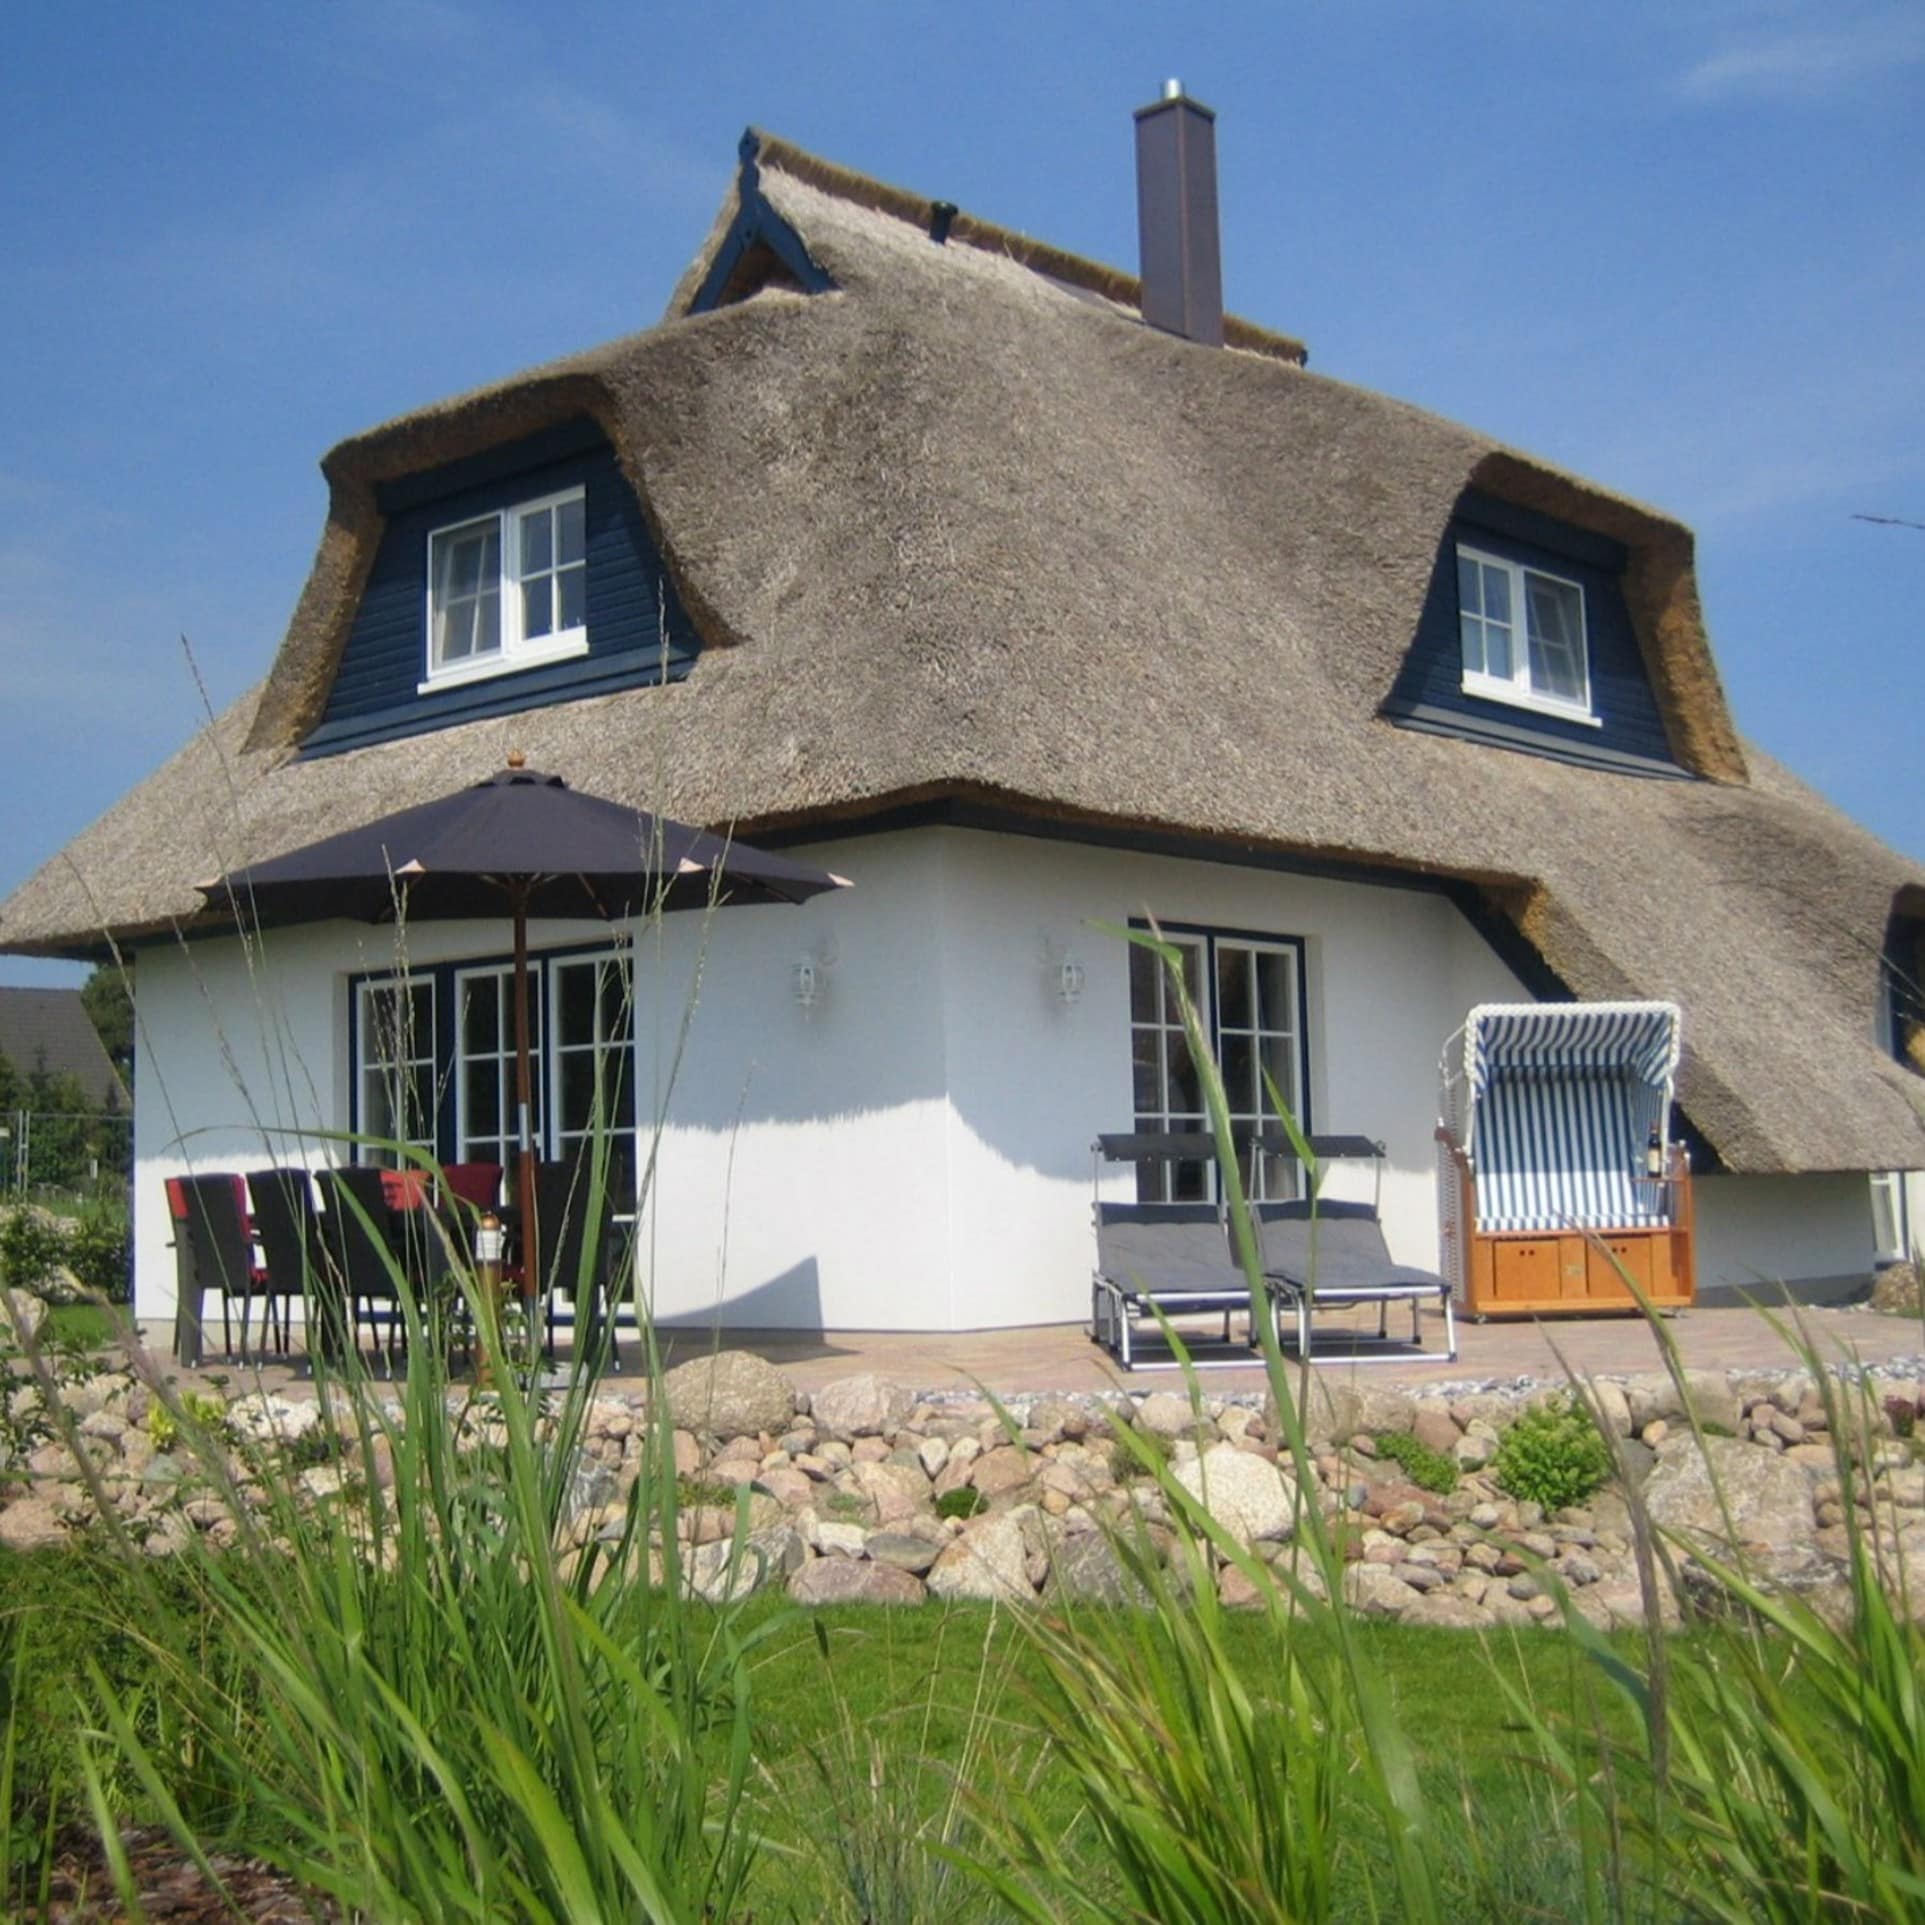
294,1251
214,1250
577,1240
356,1242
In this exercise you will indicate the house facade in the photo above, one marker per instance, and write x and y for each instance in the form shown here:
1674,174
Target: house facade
1039,600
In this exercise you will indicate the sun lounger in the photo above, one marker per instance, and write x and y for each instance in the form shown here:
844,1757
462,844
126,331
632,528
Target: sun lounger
1331,1255
1161,1257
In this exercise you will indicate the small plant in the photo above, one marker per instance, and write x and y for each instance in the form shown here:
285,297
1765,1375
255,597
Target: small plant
201,1408
1903,1415
964,1501
845,1507
1130,1466
1428,1469
1552,1456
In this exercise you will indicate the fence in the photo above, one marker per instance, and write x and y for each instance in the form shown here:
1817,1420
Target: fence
73,1151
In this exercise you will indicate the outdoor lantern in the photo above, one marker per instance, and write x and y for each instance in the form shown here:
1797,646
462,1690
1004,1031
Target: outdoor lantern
803,974
1069,981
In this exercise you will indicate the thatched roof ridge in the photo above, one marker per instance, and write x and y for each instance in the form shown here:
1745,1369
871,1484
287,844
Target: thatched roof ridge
955,530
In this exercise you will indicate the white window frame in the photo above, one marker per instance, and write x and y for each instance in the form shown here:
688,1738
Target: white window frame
561,1140
370,1065
516,651
1517,688
467,1136
1204,943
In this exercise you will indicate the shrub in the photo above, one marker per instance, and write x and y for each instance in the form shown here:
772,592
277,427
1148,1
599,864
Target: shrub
1903,1414
100,1251
31,1250
1428,1469
964,1501
1552,1456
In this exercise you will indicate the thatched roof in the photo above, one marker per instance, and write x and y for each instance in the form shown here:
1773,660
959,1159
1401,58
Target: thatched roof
965,527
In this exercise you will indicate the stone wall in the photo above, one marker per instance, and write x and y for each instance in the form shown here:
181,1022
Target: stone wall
868,1492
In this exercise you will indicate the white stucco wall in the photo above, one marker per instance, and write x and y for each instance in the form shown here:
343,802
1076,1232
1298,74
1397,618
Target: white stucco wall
1755,1230
912,1152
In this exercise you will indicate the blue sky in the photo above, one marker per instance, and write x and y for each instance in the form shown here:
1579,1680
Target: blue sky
1677,247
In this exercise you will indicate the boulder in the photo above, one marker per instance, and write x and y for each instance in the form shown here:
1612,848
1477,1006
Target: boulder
1164,1414
21,1314
1003,1469
1376,1591
1087,1566
1337,1410
1713,1401
1248,1495
1434,1427
862,1406
903,1549
845,1580
731,1394
989,1560
1447,1611
1768,1499
31,1524
897,1490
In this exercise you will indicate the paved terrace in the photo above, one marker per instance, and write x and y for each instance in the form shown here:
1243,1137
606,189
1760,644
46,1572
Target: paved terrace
1061,1357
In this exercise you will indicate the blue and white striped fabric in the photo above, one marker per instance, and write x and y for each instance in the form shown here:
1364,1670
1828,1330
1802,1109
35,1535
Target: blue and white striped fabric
1565,1098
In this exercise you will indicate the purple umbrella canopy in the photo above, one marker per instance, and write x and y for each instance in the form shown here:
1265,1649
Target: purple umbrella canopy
523,842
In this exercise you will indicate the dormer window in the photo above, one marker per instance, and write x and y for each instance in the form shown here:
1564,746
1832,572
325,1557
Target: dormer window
1523,637
508,590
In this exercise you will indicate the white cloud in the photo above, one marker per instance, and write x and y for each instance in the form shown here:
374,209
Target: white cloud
1777,58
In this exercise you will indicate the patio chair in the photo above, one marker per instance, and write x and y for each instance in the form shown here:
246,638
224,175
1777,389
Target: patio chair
1330,1254
214,1250
577,1238
1558,1178
355,1239
1167,1258
292,1248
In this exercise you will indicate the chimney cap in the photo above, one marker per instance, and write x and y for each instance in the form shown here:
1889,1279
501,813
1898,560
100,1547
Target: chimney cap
1172,90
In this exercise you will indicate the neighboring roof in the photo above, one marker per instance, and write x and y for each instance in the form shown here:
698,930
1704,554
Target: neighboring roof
963,527
50,1029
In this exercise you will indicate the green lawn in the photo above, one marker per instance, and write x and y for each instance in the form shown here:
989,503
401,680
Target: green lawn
871,1726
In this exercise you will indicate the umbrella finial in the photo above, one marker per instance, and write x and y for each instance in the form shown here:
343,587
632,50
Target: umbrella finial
517,760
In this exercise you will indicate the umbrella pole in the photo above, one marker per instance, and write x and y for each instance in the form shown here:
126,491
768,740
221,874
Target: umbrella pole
525,1166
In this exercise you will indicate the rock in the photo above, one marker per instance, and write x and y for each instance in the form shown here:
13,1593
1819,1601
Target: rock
1339,1409
1614,1408
1376,1591
1770,1501
1057,1417
837,1535
31,1524
843,1580
1445,1610
1164,1414
900,1548
867,1405
1003,1469
1895,1290
789,1487
989,1560
933,1455
732,1394
1087,1566
1434,1427
591,1485
896,1490
1650,1397
1713,1401
21,1314
688,1453
1248,1495
1473,1452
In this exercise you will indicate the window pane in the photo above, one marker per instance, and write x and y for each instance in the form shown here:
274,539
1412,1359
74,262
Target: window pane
1280,1060
1233,1004
1469,601
1190,1181
577,1091
1192,981
1146,1072
571,530
617,1007
1276,990
537,542
1497,593
1240,1075
1556,630
481,1016
1186,1092
571,585
575,1004
537,608
482,1099
1143,968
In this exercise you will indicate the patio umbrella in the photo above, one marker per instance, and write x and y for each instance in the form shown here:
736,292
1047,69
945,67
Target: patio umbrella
525,842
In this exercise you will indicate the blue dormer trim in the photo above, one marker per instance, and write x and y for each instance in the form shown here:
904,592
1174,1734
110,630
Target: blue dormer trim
1627,733
638,631
756,224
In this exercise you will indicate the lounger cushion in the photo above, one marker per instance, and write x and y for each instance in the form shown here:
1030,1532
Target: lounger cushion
1144,1249
1342,1248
